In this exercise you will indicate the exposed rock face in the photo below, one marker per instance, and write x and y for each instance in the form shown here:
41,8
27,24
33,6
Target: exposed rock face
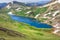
57,26
12,33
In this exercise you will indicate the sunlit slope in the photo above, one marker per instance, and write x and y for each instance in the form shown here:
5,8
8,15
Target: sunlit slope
26,31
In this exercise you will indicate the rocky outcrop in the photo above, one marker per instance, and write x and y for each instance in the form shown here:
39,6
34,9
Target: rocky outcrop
11,32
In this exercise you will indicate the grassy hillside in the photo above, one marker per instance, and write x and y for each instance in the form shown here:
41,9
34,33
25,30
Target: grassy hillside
27,32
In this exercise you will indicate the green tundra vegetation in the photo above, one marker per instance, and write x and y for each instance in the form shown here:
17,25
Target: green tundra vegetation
34,10
25,31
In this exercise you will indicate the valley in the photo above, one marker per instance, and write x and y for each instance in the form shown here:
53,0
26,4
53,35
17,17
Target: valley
15,30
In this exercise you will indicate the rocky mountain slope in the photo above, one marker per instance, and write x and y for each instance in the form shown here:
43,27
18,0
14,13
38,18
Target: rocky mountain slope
13,30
